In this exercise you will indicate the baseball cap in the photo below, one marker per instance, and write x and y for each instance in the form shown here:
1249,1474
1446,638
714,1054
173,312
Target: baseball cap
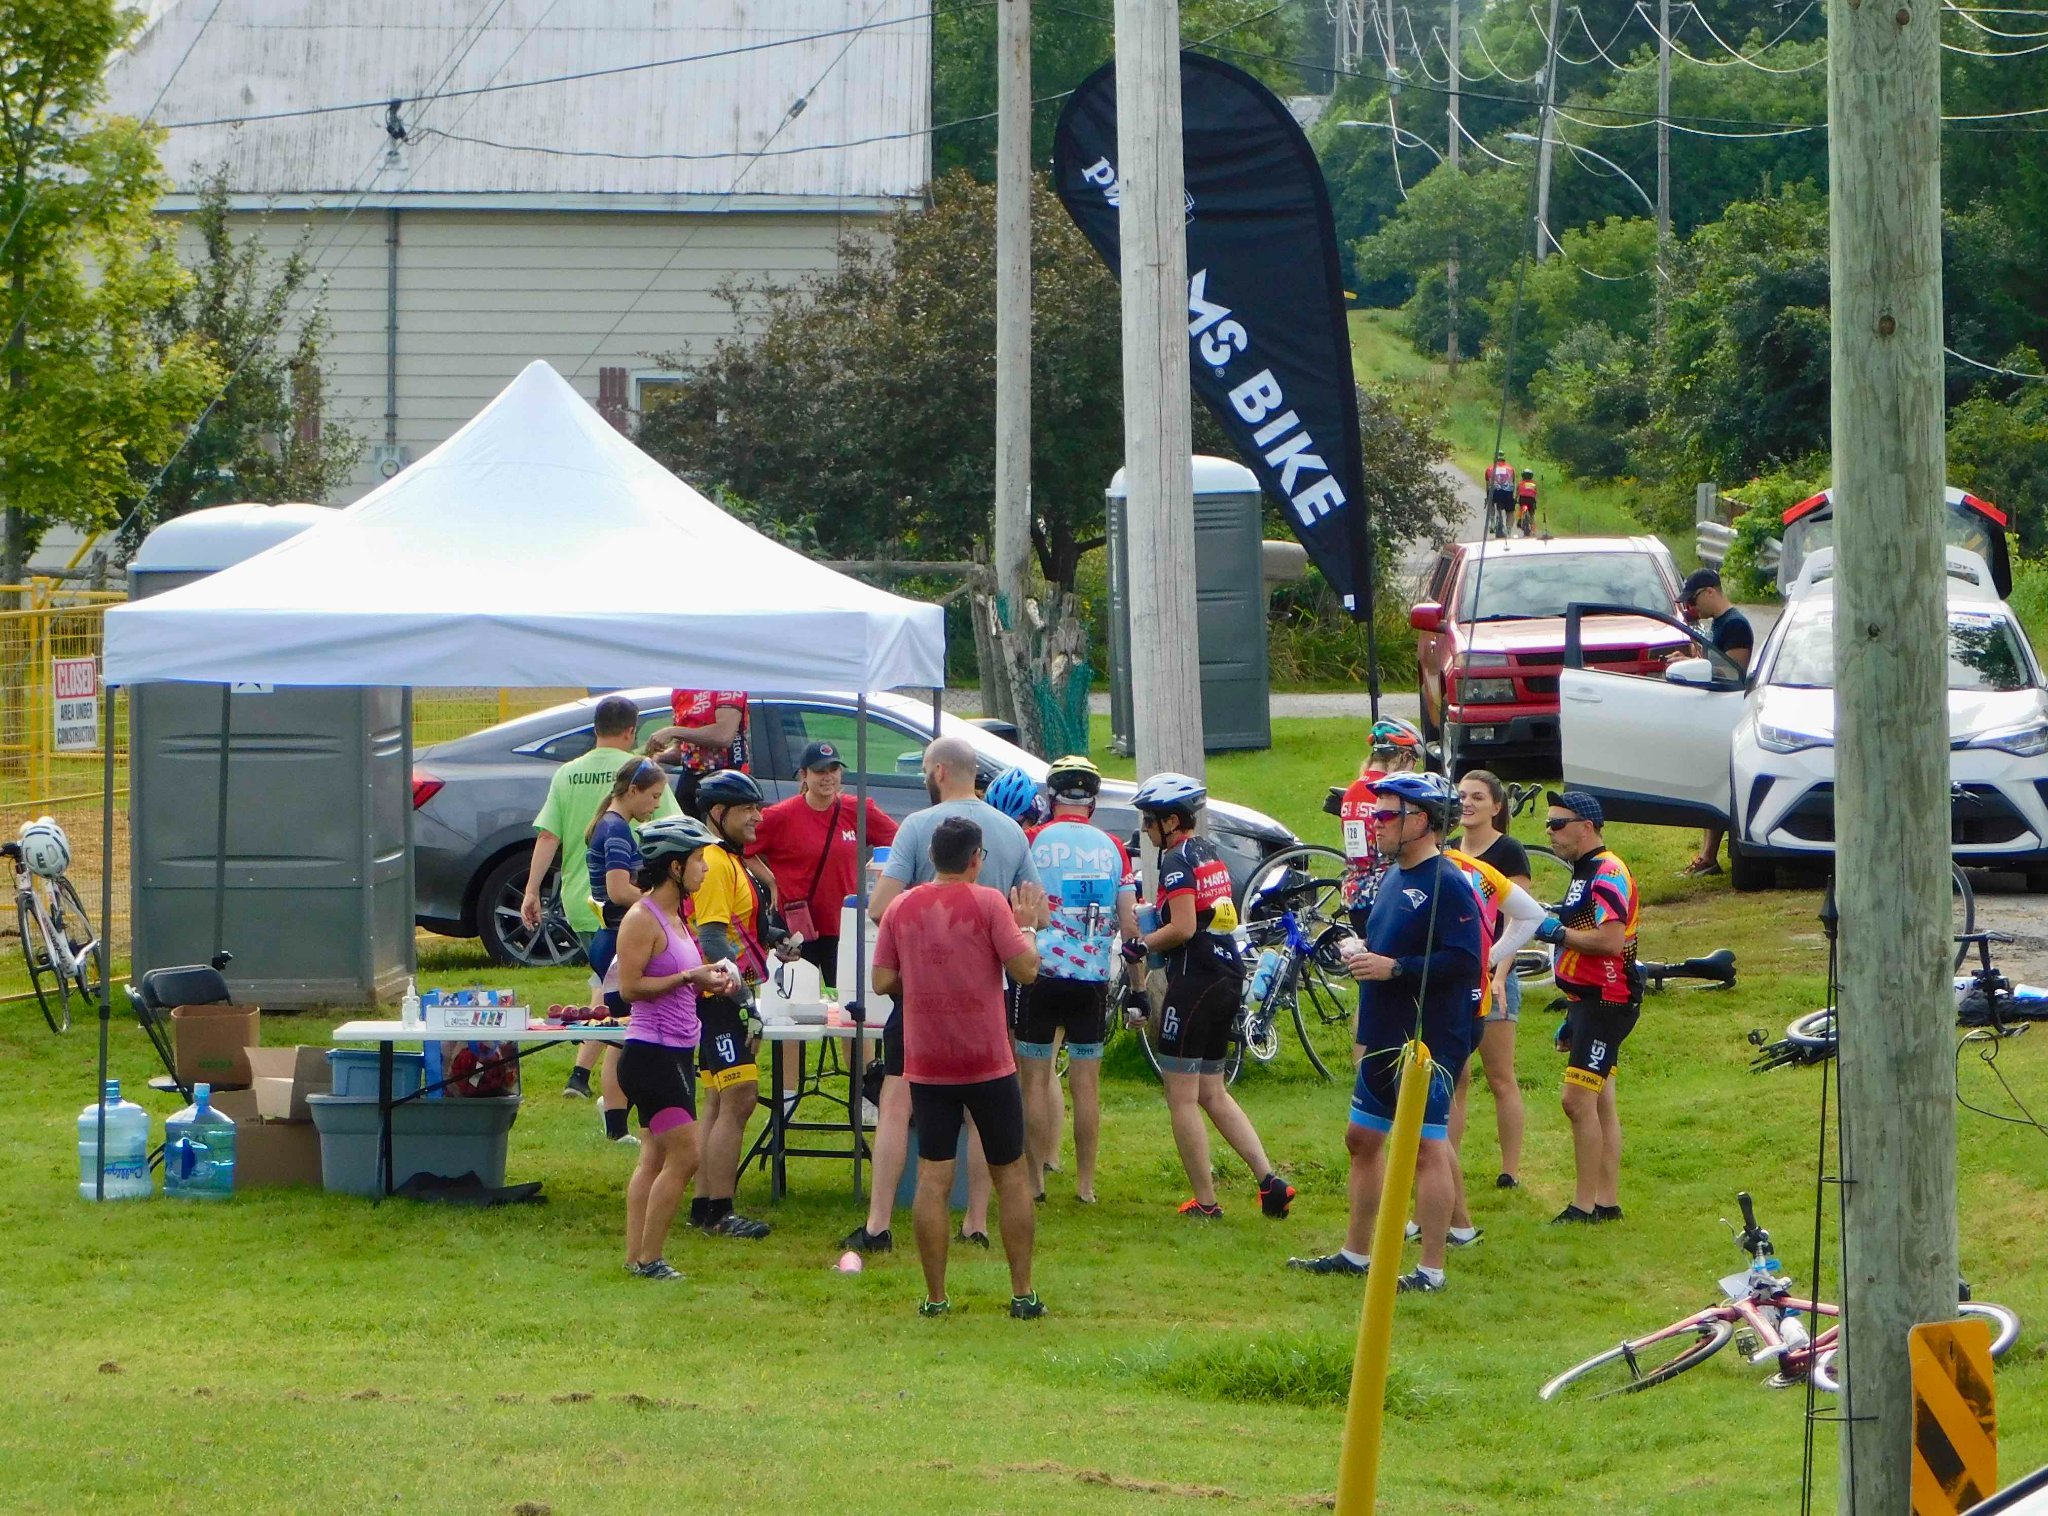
821,755
1697,580
1578,802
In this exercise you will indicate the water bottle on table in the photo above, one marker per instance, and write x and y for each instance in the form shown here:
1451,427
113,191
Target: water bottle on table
199,1151
127,1171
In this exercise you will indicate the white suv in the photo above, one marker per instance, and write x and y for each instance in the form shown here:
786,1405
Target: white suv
1756,754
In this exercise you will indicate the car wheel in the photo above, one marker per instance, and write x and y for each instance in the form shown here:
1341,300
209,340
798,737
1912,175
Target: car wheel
2037,881
507,939
1432,731
1747,872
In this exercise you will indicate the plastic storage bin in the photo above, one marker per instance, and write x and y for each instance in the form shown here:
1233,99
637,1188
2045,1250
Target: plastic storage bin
354,1072
448,1138
906,1187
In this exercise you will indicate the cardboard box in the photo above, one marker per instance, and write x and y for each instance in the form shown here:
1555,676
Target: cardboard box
211,1042
277,1150
282,1078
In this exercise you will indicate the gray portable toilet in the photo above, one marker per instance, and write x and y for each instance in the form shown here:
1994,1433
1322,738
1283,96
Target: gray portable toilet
1230,597
319,905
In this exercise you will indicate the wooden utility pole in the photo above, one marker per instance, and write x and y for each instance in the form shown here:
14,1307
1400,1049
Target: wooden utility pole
1452,112
1663,153
1898,1158
1549,130
1166,685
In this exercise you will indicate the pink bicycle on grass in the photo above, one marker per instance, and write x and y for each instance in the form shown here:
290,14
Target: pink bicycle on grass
1762,1311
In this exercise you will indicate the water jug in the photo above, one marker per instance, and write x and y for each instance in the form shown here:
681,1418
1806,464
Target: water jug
199,1151
127,1172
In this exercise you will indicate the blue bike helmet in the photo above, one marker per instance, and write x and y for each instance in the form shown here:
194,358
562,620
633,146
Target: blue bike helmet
1432,794
1013,792
1170,795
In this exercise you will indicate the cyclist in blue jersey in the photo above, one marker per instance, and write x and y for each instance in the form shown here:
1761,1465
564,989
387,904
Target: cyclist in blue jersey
1093,892
1421,973
1204,983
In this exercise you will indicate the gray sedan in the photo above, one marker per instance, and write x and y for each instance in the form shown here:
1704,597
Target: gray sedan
475,799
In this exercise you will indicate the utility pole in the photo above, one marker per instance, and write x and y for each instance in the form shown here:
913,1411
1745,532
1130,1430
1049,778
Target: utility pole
1543,145
1013,312
1166,687
1663,154
1892,839
1453,116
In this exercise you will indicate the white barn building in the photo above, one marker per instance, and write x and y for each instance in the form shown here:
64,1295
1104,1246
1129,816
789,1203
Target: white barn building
574,178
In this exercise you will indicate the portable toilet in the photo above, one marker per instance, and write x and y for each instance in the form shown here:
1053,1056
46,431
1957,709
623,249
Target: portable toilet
318,899
1230,594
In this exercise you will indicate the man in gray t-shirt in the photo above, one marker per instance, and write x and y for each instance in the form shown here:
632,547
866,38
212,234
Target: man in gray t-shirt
949,773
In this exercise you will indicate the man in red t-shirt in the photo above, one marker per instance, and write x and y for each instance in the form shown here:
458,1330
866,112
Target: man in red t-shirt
941,954
807,841
709,734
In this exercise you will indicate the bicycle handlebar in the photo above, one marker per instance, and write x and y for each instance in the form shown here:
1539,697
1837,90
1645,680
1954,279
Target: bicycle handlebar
1748,1209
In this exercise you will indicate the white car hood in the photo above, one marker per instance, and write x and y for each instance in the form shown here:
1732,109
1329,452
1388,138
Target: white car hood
1971,713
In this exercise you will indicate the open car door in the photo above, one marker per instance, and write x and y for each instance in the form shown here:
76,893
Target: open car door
1652,749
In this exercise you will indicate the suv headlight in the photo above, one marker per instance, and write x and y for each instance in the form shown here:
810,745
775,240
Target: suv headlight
2028,741
1785,739
1484,661
1481,691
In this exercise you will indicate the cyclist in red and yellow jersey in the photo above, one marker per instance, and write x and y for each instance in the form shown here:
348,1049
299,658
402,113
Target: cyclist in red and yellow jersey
1594,932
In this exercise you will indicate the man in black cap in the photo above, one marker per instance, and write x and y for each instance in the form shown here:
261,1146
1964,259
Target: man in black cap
1702,599
1594,932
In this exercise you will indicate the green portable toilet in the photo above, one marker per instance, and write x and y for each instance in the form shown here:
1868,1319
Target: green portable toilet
1230,597
319,858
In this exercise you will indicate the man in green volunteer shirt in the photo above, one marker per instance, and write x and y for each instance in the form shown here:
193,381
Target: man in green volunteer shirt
579,790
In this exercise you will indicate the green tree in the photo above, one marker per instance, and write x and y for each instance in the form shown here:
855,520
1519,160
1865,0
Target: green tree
1068,45
1604,275
1448,210
266,436
87,394
1589,398
1999,450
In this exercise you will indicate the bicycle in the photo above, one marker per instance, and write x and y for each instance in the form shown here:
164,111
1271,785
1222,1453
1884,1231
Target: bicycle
58,942
1761,1308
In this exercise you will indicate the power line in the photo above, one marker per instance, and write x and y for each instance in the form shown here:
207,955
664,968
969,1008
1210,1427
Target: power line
1992,368
593,73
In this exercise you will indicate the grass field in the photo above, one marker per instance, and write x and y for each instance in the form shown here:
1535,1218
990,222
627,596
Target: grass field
1466,410
295,1352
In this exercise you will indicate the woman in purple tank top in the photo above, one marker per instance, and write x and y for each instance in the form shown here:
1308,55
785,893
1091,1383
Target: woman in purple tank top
661,973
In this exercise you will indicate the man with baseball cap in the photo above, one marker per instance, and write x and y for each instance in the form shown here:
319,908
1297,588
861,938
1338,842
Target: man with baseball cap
1729,631
1594,932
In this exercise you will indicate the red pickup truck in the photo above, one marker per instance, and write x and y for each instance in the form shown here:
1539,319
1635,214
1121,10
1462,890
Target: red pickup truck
1490,635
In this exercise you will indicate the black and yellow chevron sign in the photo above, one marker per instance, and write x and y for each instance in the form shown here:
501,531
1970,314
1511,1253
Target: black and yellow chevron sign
1955,1426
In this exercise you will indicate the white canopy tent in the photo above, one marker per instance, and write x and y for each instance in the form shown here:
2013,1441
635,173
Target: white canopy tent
537,547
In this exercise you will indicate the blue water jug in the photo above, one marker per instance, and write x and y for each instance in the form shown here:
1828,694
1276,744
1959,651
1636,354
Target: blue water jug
199,1151
127,1172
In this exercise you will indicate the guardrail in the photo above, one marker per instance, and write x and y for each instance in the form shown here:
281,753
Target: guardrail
1712,542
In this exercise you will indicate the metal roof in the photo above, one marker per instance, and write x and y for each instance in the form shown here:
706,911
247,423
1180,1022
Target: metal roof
689,125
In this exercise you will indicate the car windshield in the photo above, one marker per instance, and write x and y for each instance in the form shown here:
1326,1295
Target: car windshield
1544,584
1984,652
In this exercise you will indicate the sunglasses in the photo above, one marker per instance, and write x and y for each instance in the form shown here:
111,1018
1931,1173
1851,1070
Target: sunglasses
1559,823
1388,815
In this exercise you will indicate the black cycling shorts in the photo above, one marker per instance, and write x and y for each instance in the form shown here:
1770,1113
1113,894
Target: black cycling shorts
892,1044
725,1055
1050,1006
822,954
997,1106
1597,1029
1201,1004
656,1078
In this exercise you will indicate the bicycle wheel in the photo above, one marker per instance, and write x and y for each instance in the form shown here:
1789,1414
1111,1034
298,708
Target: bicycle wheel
44,977
1644,1362
1262,1025
1315,895
1962,912
1816,1029
2005,1331
69,915
1328,1012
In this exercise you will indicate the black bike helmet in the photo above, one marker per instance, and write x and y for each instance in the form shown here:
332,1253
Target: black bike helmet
1074,779
727,787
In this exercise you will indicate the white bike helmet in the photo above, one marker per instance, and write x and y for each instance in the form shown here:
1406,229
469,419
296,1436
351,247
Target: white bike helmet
1170,795
45,848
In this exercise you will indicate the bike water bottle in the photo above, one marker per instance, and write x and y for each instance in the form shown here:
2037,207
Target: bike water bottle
1792,1332
1263,975
127,1170
199,1151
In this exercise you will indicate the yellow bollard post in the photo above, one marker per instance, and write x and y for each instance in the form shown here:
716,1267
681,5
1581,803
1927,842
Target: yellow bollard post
1358,1464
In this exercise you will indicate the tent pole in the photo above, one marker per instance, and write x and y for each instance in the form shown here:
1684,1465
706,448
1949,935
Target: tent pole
106,951
857,1064
220,827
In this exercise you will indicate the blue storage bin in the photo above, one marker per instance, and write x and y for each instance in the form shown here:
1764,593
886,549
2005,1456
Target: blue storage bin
354,1072
906,1187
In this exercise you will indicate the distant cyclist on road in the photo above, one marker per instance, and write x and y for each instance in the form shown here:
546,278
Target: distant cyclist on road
1595,934
1525,503
1204,983
1500,496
